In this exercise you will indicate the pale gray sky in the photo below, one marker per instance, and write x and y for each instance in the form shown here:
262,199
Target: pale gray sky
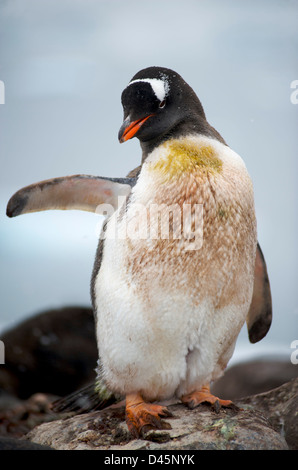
64,65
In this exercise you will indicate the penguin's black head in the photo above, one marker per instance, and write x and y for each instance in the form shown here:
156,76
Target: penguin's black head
158,104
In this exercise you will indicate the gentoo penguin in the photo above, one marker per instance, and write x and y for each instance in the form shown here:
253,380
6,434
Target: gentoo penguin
178,269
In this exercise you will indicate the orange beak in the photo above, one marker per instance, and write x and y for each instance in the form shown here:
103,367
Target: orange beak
129,129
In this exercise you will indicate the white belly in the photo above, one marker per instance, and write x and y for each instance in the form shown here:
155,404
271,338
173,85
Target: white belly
159,339
163,344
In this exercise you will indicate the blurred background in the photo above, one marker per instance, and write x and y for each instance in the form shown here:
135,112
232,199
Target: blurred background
64,65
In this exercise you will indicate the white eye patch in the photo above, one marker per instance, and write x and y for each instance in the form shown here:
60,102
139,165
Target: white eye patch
160,87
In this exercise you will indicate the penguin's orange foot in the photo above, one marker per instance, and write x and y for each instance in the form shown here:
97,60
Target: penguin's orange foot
194,399
141,416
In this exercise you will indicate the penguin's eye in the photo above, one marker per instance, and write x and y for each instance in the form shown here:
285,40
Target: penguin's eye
162,104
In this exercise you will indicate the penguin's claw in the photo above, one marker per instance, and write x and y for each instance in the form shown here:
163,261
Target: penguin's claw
194,399
142,417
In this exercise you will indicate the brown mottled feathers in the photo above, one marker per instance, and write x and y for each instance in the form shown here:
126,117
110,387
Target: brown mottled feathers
259,317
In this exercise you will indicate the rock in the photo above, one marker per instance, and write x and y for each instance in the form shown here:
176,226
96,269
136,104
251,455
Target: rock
290,428
23,415
280,406
265,422
253,377
8,443
53,352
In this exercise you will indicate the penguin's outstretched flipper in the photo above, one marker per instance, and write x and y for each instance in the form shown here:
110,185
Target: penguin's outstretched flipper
77,192
260,313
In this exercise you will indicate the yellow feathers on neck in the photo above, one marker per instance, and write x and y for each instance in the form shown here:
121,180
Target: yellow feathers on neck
183,156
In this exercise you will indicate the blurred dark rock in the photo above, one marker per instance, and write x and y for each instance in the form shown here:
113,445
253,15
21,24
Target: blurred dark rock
253,377
8,443
23,415
53,352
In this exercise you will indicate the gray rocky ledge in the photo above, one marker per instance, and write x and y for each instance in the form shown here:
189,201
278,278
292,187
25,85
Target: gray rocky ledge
267,421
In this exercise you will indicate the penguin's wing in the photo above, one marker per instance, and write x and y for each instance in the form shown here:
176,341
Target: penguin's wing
80,192
260,313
